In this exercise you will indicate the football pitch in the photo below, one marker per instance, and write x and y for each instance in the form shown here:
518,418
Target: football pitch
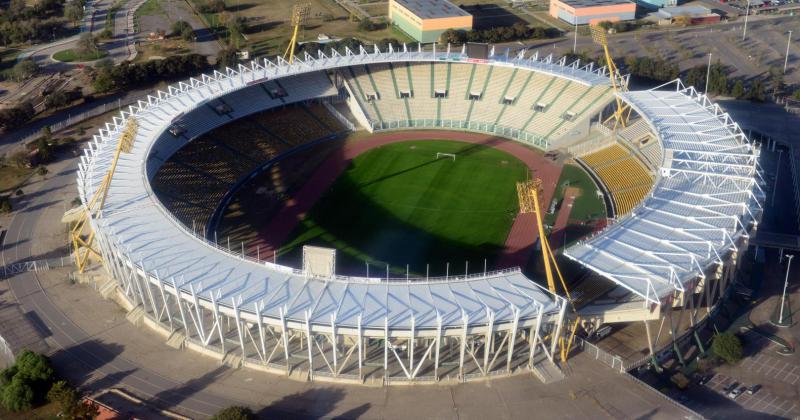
399,204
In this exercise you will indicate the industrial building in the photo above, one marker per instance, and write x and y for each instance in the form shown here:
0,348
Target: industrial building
689,15
583,12
426,20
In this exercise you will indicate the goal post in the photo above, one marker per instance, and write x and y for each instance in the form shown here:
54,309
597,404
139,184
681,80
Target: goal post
440,155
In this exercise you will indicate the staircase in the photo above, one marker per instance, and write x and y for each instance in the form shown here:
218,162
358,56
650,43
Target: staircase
547,371
135,316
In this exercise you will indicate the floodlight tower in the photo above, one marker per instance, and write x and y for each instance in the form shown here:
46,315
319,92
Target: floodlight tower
84,247
299,14
528,195
617,83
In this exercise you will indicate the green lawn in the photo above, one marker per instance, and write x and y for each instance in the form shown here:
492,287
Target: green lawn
71,55
399,205
588,205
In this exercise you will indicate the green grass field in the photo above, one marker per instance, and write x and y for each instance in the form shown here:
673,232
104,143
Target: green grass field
588,205
399,205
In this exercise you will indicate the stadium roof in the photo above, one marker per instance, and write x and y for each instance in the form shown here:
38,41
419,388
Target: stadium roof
706,196
432,9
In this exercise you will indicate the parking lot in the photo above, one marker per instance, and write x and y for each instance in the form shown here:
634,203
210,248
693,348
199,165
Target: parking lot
762,401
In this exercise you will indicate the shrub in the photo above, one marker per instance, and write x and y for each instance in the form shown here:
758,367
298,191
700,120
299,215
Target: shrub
213,6
5,207
183,29
235,413
70,403
727,347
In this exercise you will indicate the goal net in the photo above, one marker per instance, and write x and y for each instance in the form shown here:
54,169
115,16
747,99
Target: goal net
440,155
318,261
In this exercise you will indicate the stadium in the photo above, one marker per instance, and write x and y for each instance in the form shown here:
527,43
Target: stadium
333,148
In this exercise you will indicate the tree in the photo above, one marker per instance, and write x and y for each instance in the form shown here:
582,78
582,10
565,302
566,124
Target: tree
70,402
606,24
727,347
12,118
183,29
24,69
17,395
87,44
454,36
756,91
44,149
738,89
234,413
367,25
73,12
227,58
103,82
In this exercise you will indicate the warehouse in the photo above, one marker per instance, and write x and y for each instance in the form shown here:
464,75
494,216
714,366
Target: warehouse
426,20
582,12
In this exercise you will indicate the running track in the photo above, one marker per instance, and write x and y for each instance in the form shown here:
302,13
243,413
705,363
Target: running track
523,233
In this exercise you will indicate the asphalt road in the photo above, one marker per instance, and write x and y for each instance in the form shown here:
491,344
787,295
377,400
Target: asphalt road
42,213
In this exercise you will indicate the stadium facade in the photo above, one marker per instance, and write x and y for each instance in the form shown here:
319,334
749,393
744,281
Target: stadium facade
245,311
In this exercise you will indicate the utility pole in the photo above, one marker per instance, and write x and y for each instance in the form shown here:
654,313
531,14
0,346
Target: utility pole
786,60
746,15
575,42
775,184
708,72
785,285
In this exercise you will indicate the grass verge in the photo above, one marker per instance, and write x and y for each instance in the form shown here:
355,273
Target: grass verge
72,55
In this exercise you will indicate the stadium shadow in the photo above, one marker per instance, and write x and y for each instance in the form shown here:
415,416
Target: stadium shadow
82,364
175,396
314,403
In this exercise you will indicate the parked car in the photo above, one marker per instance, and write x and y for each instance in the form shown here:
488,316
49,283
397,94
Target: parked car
736,392
704,379
753,389
730,387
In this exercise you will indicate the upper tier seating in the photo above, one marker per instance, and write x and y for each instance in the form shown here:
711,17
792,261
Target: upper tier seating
492,95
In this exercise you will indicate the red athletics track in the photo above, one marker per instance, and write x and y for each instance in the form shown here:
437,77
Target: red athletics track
523,232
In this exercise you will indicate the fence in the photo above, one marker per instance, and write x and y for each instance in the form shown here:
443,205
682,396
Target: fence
83,116
611,360
36,265
6,354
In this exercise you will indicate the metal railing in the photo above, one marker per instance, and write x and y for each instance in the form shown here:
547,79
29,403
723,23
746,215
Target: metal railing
477,126
612,360
35,265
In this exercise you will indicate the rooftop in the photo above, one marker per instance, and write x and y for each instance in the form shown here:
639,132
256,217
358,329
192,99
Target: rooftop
432,9
594,3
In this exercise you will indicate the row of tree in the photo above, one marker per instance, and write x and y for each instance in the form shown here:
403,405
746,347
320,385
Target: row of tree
515,32
128,75
43,21
757,89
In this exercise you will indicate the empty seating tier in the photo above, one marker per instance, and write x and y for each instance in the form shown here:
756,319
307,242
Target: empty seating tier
624,176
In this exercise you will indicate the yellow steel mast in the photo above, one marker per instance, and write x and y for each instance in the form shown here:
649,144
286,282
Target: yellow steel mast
617,83
528,195
299,13
84,247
